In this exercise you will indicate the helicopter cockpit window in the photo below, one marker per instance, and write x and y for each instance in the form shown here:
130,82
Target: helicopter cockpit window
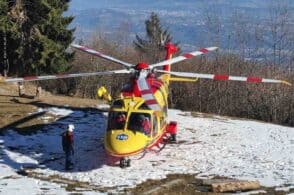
144,107
117,120
118,104
140,122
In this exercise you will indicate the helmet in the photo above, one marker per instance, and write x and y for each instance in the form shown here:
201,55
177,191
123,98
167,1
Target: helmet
141,117
70,127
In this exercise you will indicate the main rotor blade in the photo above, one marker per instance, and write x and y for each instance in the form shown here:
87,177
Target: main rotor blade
147,93
225,77
61,76
101,55
184,57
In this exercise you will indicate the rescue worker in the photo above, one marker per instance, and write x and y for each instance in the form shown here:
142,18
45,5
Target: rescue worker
68,146
145,123
120,121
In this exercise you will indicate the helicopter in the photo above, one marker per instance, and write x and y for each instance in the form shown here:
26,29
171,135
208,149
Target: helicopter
138,119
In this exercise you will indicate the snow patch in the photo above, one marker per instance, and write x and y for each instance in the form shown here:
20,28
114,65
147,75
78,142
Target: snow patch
240,149
56,111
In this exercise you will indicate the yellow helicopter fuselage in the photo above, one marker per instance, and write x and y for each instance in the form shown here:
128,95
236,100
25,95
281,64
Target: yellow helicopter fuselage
128,137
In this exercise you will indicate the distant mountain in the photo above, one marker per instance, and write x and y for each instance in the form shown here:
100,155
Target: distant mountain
185,19
160,4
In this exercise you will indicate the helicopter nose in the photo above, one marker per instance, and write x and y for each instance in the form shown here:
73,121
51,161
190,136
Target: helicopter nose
121,142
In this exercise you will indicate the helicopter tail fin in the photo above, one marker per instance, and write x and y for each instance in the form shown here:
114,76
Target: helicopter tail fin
170,50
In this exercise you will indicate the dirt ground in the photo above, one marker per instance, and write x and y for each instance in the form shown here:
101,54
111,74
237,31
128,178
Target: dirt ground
186,184
17,112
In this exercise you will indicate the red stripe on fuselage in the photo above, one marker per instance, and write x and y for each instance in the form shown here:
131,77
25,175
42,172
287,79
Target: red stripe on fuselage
157,83
151,102
147,91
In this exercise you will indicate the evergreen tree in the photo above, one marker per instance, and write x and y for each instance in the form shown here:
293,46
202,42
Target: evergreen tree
56,37
156,38
39,37
6,27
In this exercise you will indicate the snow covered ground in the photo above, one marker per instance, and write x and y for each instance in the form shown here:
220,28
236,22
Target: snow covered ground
207,146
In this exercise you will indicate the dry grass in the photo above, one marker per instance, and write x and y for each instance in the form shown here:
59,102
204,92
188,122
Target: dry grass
17,111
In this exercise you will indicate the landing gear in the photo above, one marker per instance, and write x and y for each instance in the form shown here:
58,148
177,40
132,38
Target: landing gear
172,138
172,130
123,163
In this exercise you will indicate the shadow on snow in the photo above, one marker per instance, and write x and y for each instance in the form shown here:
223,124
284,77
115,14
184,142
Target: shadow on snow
42,148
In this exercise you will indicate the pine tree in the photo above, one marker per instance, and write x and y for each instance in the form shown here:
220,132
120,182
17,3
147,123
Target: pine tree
156,38
56,37
6,27
39,36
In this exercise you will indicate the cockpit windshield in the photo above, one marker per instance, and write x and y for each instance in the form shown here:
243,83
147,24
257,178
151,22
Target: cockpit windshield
117,120
140,122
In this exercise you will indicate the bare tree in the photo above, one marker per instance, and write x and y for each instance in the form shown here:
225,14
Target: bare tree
281,30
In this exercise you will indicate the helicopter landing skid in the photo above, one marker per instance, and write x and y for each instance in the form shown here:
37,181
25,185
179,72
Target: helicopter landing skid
124,162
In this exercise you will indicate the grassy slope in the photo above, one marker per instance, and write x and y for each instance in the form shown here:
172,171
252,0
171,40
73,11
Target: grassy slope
16,111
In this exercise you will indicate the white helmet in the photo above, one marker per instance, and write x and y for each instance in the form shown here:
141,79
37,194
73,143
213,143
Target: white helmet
70,127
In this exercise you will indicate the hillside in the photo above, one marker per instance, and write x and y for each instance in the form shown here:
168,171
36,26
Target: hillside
16,111
208,146
192,23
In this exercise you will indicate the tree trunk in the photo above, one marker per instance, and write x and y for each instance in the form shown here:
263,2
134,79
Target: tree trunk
233,186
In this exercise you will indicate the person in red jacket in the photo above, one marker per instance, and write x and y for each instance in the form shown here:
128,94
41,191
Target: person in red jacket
68,146
146,126
120,121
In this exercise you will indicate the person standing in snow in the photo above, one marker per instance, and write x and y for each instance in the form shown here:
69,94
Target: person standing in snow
68,146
